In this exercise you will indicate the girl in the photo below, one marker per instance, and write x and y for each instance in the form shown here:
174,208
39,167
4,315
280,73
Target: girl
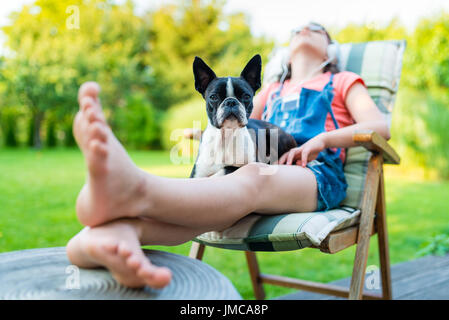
124,207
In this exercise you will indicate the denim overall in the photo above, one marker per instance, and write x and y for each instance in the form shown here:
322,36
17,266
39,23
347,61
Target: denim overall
303,116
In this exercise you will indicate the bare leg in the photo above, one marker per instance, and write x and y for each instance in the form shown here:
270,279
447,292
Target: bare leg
116,188
122,256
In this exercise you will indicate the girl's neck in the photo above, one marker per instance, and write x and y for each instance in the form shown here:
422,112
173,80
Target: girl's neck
304,67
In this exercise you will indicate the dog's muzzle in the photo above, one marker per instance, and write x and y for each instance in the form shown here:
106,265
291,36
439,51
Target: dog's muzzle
231,111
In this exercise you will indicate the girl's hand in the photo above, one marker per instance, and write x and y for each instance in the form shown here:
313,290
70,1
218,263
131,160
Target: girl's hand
307,152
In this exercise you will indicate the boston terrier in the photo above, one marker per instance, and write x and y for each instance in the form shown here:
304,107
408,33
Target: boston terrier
231,139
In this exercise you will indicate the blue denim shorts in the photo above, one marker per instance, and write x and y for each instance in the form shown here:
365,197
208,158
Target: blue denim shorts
330,178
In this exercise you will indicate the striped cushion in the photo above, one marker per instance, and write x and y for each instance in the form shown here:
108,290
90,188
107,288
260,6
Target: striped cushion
281,232
379,63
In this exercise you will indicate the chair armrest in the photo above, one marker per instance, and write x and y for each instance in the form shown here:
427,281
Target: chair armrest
194,134
374,142
369,139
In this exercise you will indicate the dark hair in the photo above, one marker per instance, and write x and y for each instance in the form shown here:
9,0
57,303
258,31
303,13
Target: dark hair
333,68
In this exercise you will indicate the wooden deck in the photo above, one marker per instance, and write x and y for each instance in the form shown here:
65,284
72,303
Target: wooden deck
421,279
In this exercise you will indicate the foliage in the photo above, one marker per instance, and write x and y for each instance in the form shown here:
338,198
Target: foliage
181,32
421,113
51,133
370,32
185,115
49,60
427,72
8,123
438,246
137,123
148,56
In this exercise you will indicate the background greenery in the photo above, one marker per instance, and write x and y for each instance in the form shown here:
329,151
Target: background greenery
143,64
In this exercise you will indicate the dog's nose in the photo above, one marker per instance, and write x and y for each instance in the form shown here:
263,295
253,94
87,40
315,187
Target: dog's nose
231,103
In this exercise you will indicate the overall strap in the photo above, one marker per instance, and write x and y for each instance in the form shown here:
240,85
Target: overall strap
327,88
270,100
330,83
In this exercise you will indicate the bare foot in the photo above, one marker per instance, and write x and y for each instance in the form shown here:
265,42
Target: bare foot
115,186
122,256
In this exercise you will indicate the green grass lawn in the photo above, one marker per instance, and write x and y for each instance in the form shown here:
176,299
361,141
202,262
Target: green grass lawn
37,209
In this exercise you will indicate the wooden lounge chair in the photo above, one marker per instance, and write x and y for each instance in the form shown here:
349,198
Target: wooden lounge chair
361,215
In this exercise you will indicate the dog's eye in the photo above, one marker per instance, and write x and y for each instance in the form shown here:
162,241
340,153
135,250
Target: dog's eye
213,97
246,97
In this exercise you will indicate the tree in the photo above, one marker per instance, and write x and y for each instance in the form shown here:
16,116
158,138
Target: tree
49,59
51,52
421,114
427,73
196,28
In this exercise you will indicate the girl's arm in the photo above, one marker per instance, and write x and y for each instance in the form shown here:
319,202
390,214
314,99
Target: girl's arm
366,115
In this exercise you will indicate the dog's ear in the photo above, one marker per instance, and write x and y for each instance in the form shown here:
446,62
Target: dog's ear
203,75
252,70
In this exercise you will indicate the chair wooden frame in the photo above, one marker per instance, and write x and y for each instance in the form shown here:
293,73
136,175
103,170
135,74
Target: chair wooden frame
372,221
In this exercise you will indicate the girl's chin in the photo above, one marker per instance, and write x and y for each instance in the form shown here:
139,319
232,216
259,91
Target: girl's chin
305,46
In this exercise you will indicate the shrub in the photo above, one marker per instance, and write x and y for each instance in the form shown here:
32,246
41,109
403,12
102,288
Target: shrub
136,123
51,140
438,245
180,117
419,130
8,124
67,129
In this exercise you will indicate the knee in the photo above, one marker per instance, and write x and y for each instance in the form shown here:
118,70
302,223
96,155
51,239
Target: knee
255,175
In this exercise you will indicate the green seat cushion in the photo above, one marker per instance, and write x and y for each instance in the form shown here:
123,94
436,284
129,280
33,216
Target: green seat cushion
281,232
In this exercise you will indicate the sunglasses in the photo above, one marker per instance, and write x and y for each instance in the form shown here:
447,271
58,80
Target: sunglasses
311,27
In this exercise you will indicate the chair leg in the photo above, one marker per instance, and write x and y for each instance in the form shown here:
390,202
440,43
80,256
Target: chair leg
382,237
254,273
197,250
365,227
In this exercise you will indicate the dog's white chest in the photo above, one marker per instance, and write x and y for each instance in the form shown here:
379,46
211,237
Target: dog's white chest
224,147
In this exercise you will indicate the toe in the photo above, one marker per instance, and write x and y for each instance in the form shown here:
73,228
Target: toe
91,115
87,103
155,277
134,262
95,115
124,251
97,130
96,158
91,89
78,128
98,148
162,278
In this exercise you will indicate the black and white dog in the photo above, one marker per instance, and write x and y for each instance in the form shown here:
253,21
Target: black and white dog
231,139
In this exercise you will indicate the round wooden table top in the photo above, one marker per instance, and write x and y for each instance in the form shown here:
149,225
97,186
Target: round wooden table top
48,274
